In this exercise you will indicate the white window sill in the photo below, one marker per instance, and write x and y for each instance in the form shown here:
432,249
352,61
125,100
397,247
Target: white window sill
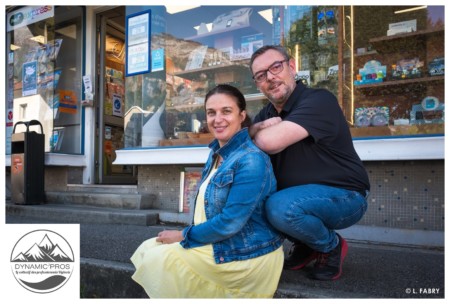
414,148
56,159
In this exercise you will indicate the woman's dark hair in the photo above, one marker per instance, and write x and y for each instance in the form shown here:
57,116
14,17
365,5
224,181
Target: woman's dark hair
236,94
280,49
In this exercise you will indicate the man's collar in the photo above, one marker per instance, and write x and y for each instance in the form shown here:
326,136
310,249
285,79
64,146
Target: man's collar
299,88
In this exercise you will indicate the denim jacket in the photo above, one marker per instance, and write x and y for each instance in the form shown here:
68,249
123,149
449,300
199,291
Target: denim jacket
236,224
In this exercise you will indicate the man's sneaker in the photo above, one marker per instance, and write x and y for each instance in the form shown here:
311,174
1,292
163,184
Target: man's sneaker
329,265
299,256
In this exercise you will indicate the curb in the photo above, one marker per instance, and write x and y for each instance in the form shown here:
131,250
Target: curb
108,279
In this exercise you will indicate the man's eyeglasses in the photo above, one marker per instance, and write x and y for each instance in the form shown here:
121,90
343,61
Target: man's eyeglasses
275,69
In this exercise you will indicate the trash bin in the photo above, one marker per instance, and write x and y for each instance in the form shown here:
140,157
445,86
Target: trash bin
27,165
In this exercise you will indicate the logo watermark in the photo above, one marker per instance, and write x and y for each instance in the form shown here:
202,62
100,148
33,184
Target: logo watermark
422,291
42,261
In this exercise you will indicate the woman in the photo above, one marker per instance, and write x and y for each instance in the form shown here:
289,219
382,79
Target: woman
230,250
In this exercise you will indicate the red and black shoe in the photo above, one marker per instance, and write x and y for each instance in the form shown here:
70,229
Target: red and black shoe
328,266
299,256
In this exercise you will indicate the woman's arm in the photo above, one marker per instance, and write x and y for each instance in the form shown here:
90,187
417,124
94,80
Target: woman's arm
250,186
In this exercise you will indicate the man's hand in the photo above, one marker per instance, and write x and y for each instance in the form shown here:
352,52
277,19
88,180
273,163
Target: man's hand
273,136
255,128
169,236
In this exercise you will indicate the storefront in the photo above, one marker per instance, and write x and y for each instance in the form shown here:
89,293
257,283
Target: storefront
120,89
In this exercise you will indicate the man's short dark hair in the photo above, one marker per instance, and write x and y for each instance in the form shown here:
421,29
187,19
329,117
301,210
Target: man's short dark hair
280,49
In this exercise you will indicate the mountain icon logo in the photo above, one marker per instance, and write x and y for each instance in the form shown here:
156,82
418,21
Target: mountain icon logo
42,261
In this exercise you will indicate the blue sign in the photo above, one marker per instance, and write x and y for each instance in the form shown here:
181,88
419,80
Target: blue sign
157,60
138,29
29,78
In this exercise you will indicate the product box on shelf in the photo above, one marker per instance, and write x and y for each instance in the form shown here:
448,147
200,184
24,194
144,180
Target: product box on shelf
372,72
402,27
436,66
407,68
429,111
372,116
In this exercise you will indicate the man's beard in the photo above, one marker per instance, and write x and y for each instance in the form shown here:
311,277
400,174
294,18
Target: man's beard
279,98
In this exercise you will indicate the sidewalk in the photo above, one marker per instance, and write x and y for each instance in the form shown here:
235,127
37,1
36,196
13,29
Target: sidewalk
369,271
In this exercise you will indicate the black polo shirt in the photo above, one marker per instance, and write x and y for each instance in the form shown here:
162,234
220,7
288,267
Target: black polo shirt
327,156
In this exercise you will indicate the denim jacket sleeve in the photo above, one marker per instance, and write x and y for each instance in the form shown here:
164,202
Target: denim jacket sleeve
252,182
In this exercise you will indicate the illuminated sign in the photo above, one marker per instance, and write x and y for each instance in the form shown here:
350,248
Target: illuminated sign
28,15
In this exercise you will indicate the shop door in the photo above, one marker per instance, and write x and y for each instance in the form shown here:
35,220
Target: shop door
111,95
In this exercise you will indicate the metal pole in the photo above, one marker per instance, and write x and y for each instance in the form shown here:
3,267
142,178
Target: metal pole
101,96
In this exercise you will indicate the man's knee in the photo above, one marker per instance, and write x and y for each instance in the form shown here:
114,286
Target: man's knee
275,214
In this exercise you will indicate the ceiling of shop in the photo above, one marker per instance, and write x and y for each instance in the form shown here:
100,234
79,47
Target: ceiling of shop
116,15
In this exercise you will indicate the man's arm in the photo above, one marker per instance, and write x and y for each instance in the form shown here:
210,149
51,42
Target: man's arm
256,127
273,135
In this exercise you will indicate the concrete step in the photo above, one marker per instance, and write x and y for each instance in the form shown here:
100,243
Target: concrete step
72,213
113,189
102,199
77,213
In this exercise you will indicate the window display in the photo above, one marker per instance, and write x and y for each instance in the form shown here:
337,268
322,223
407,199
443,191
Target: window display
209,45
43,71
398,71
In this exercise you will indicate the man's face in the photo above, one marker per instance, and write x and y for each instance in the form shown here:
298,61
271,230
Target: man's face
277,87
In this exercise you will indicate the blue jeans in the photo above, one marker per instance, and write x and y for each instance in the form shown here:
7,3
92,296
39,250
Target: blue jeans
311,213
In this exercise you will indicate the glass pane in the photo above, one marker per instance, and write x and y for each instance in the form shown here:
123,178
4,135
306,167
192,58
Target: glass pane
208,45
395,86
388,82
202,47
44,76
311,35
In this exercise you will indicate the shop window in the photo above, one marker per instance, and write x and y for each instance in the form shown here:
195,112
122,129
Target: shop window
395,83
208,45
44,49
385,64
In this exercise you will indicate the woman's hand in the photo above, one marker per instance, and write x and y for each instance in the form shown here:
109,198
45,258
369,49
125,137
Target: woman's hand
169,236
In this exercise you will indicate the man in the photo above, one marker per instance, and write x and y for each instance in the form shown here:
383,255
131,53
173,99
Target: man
322,184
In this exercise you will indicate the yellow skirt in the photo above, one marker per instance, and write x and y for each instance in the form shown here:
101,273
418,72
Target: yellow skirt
170,271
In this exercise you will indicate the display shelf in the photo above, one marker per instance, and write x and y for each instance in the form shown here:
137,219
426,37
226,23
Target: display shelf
398,130
115,64
185,107
400,95
205,139
243,30
190,107
113,120
255,97
211,71
402,82
388,44
368,53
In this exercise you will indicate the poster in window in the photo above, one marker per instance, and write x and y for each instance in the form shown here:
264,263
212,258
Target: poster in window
189,183
157,60
53,49
31,55
29,78
68,102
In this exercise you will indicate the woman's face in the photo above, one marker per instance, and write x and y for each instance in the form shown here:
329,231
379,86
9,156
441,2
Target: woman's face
223,117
